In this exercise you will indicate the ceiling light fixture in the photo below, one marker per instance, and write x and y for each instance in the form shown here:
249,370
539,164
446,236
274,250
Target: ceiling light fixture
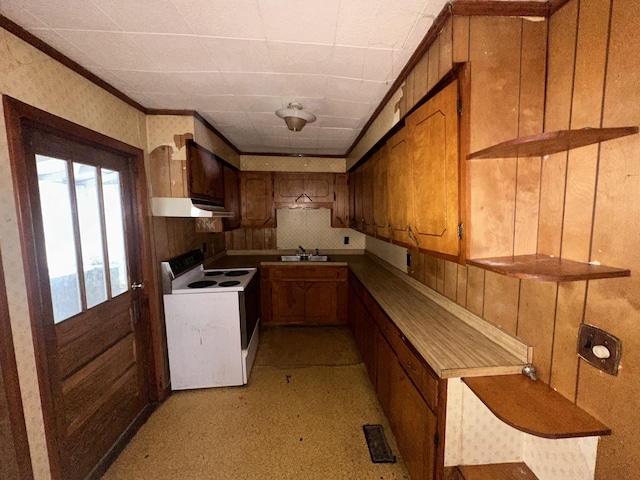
294,117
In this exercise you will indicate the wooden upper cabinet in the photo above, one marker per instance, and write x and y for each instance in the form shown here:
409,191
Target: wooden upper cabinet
308,190
433,168
256,194
232,197
204,173
380,168
398,186
340,213
358,199
367,198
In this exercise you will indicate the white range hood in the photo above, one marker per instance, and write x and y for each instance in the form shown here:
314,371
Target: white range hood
187,207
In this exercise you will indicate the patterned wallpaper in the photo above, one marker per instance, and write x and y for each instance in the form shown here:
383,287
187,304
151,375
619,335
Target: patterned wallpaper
489,440
162,128
212,142
268,163
311,228
34,78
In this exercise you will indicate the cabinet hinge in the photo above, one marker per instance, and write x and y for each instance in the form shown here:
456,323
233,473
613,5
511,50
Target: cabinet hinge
460,107
436,440
460,230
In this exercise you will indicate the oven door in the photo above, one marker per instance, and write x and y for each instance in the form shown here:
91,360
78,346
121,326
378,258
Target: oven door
249,309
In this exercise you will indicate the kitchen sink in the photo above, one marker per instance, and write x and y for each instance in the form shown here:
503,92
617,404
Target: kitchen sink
304,258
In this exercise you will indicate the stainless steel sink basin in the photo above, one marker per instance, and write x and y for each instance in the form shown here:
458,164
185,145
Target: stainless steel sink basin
304,258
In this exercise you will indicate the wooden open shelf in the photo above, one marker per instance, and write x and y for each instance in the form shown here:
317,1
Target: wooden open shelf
551,142
545,268
494,471
534,407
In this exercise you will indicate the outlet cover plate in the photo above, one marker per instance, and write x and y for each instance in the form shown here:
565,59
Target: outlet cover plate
589,337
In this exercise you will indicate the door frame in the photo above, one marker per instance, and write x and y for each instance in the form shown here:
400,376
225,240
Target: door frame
18,116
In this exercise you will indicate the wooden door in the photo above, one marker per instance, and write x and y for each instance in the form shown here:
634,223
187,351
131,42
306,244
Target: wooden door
380,194
256,193
321,302
80,231
340,212
434,170
288,301
398,184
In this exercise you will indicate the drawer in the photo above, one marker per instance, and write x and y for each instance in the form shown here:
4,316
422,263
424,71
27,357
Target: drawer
425,381
296,272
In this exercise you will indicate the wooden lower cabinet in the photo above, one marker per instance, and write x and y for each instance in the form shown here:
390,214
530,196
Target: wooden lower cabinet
408,391
311,295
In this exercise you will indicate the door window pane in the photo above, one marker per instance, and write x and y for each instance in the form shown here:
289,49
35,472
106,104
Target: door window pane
57,219
90,226
115,232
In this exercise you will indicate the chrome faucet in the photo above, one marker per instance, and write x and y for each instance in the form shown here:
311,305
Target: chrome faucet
530,371
302,249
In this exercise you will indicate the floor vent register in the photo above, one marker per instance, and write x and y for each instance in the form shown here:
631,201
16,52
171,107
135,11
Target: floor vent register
378,447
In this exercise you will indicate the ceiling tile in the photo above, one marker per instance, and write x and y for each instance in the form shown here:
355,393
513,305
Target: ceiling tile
300,57
202,83
160,16
174,53
378,65
296,86
355,90
235,55
346,62
57,41
222,18
338,122
14,12
150,82
300,21
70,14
122,52
254,83
171,101
377,23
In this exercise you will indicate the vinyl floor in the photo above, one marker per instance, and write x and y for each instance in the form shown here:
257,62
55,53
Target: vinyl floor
300,417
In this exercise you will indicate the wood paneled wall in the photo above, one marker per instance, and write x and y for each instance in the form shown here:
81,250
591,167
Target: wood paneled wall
581,204
251,239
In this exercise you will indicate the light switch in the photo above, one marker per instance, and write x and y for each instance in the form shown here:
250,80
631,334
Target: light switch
599,348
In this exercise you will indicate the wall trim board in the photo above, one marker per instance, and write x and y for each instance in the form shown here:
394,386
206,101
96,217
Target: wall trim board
295,155
11,388
47,49
531,8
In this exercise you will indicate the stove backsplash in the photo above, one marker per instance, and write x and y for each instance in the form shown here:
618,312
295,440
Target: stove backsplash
311,228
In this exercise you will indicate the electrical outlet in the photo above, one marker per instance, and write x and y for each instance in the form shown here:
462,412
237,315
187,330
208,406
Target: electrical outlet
408,259
346,240
204,247
599,348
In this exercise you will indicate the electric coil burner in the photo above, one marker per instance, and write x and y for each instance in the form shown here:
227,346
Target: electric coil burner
212,325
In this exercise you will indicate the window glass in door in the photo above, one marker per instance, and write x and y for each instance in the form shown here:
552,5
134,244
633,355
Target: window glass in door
84,233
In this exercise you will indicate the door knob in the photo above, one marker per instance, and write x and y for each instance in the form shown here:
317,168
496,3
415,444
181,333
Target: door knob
137,285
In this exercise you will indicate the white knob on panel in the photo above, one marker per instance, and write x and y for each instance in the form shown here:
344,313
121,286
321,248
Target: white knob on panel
601,351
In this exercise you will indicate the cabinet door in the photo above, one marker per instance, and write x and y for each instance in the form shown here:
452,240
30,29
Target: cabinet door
340,212
353,221
434,170
232,198
288,188
287,302
358,199
416,427
318,187
321,302
380,194
367,197
257,199
386,361
398,184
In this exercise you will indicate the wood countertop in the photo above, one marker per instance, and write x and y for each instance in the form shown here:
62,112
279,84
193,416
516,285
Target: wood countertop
452,340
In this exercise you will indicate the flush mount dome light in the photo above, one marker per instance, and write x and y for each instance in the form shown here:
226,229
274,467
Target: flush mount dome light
294,117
